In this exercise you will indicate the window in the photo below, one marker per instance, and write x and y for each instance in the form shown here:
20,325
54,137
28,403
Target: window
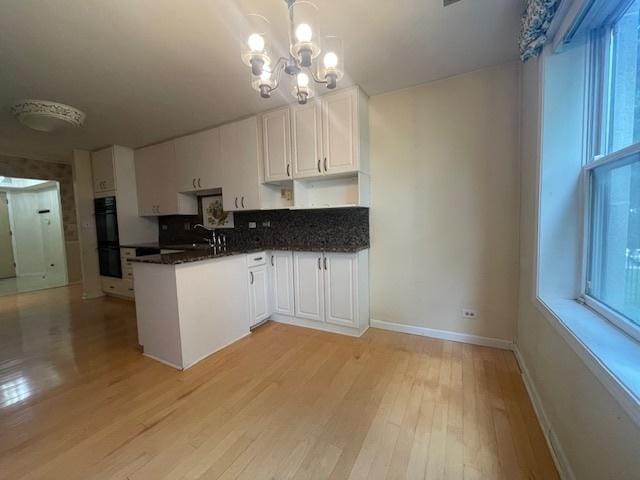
613,242
614,255
624,96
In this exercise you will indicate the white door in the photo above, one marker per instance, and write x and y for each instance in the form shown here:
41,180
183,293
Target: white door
282,282
239,153
308,288
7,267
198,157
306,135
258,295
340,289
339,126
103,173
276,144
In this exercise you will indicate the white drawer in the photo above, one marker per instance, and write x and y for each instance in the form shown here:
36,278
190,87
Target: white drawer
117,286
128,290
127,252
256,259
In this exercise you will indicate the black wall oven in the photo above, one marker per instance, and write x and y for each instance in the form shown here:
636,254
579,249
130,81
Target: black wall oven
108,240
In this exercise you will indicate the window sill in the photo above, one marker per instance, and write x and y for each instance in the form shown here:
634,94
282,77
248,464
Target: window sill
611,355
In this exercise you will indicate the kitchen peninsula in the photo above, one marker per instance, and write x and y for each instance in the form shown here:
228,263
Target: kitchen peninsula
313,273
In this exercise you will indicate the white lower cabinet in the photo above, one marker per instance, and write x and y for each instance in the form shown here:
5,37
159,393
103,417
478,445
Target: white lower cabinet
281,280
327,291
259,303
308,286
341,289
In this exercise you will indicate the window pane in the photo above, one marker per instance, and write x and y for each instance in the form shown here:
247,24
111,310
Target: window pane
625,80
614,270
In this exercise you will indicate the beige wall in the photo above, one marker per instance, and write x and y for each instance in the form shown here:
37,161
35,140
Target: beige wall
444,212
88,243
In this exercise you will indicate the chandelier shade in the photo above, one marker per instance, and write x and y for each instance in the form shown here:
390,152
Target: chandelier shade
310,56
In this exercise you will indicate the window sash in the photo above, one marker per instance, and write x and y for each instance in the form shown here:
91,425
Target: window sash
616,159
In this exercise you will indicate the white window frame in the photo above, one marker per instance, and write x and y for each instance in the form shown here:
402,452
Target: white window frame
597,142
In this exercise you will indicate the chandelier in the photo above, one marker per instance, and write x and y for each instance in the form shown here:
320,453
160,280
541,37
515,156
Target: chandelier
310,56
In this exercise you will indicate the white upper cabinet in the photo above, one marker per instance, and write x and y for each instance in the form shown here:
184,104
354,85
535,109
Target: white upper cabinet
306,126
102,164
198,161
341,291
156,183
308,286
330,135
276,145
340,132
239,154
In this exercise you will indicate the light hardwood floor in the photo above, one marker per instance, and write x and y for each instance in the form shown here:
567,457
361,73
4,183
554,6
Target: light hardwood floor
79,401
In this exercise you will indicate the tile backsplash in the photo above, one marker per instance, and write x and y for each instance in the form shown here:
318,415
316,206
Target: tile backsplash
321,227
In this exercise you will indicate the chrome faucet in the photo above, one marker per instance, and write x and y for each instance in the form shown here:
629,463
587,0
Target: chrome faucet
216,239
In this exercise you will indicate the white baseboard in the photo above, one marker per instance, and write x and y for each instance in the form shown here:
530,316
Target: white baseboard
323,326
559,457
443,334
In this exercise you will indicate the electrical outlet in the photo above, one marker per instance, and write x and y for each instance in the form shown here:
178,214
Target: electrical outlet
266,223
469,313
252,224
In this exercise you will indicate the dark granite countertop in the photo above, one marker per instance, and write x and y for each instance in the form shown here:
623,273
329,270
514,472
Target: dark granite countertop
200,252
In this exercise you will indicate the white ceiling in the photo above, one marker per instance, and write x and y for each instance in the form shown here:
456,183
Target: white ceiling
147,70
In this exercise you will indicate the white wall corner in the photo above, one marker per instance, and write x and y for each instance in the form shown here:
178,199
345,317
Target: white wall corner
555,448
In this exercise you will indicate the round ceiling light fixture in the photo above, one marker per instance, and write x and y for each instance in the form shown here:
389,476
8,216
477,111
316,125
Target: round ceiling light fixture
46,116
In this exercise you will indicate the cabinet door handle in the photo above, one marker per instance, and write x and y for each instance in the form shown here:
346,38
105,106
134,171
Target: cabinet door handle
199,185
319,263
242,202
288,170
272,260
325,164
236,202
251,273
319,169
325,263
257,259
193,182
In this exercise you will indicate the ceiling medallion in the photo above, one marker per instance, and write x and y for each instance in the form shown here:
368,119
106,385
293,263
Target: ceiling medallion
46,116
306,46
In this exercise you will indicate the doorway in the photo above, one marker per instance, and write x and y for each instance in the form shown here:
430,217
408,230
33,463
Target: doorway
32,246
7,264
